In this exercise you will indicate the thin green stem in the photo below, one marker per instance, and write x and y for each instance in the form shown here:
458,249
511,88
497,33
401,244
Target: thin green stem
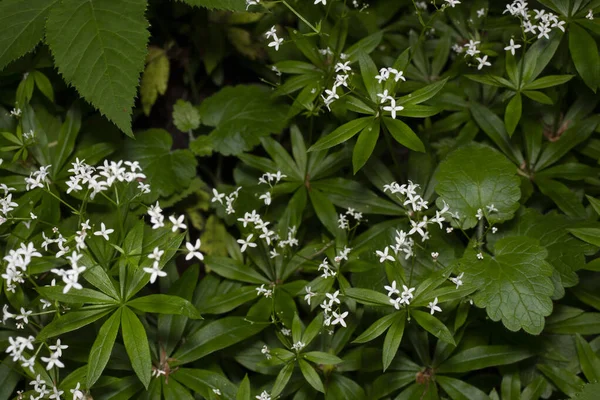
300,16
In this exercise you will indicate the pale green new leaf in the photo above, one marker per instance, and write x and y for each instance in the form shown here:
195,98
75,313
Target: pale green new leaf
155,77
474,177
185,116
514,284
21,27
99,46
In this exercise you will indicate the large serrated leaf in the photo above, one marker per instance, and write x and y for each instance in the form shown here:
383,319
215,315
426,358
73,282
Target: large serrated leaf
21,27
99,46
514,284
232,5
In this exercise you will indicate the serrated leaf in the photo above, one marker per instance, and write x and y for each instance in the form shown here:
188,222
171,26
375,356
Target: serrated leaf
21,27
474,177
101,54
514,284
232,5
155,77
185,116
167,171
241,115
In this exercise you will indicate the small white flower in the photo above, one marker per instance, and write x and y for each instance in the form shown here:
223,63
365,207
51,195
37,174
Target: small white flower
339,318
276,43
481,13
217,196
590,14
321,1
458,280
383,255
483,62
392,108
246,243
263,396
512,47
452,3
298,346
156,254
309,294
396,302
480,256
216,391
52,361
333,298
491,208
177,223
266,197
392,289
434,307
155,272
103,231
193,250
407,292
494,229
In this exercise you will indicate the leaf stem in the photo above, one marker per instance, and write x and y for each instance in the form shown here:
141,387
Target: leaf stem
300,16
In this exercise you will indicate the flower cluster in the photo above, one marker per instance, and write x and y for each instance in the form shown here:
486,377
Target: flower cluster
344,223
18,260
333,317
37,179
277,41
6,203
229,199
343,70
404,298
540,24
271,180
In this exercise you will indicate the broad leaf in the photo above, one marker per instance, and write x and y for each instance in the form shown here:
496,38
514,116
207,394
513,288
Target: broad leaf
100,55
171,171
514,284
185,116
21,27
475,177
241,115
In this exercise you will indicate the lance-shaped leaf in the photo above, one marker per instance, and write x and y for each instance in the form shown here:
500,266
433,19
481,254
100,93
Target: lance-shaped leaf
165,304
102,347
100,47
514,284
342,134
72,321
475,177
136,345
480,357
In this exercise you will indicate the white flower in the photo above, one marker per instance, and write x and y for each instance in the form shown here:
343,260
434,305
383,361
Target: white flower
345,67
216,391
298,346
383,255
333,298
155,272
418,227
58,347
103,231
193,250
246,243
512,47
217,196
482,62
452,3
480,256
271,32
407,292
339,318
384,74
392,108
384,96
481,13
56,393
396,302
321,1
458,280
309,294
276,43
266,197
494,229
265,350
28,363
491,208
590,14
52,361
156,254
392,289
263,396
177,223
434,307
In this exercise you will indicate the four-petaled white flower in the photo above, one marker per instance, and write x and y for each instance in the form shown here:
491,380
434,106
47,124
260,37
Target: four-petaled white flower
392,289
458,280
155,272
103,231
512,47
156,254
433,306
193,250
483,62
383,255
246,243
177,222
276,43
452,3
392,108
321,1
339,318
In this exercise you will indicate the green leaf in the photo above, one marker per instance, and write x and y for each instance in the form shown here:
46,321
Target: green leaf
403,134
480,357
595,203
319,357
21,27
548,81
467,187
514,284
563,196
511,387
75,296
365,145
341,134
136,345
311,376
325,211
460,390
589,235
588,392
155,77
492,125
367,296
203,381
175,390
392,339
433,325
282,379
538,96
539,55
244,392
226,302
421,95
66,139
71,321
216,336
185,116
102,347
241,115
491,80
232,5
513,114
102,57
165,304
564,379
170,171
368,71
589,361
584,52
232,269
376,329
